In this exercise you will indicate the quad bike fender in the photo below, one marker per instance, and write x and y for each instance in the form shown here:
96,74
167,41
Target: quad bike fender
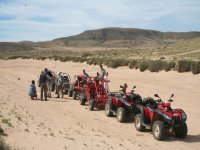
158,115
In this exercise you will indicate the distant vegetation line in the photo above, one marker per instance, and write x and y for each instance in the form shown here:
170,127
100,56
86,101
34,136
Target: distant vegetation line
142,64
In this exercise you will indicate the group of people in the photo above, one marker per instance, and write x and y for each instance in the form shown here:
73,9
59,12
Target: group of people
100,75
47,78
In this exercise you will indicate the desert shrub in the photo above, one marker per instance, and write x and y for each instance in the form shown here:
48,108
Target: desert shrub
99,61
25,57
86,54
75,59
132,64
41,58
156,65
3,145
92,61
55,57
143,65
106,61
183,66
63,59
162,57
169,66
14,57
195,67
114,63
81,59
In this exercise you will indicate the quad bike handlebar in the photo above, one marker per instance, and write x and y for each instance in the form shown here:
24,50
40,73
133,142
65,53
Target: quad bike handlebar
159,100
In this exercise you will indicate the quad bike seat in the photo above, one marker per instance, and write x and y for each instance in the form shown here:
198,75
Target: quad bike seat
149,102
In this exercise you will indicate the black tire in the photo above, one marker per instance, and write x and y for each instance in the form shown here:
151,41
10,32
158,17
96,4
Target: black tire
181,132
91,104
82,99
158,130
108,109
70,92
74,95
138,123
121,114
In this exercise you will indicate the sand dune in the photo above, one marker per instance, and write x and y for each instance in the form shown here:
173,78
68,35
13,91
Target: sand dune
64,124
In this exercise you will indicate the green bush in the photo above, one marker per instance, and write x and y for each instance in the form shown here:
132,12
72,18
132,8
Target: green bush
195,67
132,64
14,57
156,65
55,57
86,54
143,66
169,66
3,145
114,63
183,66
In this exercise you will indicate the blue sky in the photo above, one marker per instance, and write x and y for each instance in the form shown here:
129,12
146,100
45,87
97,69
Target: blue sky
41,20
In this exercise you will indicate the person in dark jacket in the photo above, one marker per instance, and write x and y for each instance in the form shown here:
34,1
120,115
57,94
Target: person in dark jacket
32,90
85,74
43,85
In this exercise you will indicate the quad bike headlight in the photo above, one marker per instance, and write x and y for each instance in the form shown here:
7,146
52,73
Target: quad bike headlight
184,116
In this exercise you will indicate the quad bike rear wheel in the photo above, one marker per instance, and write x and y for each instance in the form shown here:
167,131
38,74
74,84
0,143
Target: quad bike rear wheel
158,130
74,95
181,132
121,114
91,104
138,123
82,99
108,111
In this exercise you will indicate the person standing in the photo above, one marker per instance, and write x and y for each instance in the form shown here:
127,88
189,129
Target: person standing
106,83
85,74
102,71
43,85
59,86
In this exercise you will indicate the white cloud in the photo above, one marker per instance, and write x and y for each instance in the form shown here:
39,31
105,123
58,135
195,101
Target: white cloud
48,19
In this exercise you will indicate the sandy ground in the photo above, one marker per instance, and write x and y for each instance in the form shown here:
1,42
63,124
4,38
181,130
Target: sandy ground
64,124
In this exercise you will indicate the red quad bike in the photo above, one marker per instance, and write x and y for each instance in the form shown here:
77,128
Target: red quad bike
77,85
160,117
122,104
95,94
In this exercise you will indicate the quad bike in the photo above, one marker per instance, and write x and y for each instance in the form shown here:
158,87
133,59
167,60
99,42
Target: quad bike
77,86
160,118
122,104
95,93
65,83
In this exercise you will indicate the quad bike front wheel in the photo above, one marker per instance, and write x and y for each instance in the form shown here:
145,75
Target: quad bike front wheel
91,104
158,130
138,123
121,114
181,132
74,95
108,111
82,99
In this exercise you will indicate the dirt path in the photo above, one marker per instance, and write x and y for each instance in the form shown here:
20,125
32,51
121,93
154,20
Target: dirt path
64,124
